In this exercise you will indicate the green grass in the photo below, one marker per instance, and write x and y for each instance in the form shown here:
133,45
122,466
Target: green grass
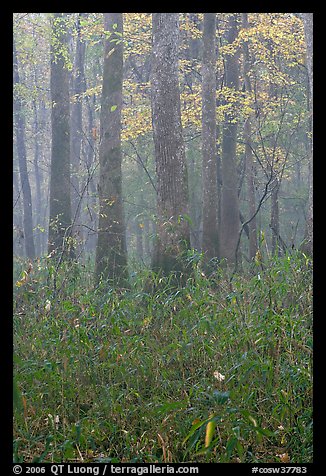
128,376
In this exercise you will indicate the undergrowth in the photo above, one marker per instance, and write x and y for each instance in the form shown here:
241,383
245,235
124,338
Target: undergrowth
218,370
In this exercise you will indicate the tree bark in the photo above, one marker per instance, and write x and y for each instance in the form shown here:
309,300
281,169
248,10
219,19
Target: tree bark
60,201
209,149
307,19
76,119
230,221
250,171
19,125
111,250
173,236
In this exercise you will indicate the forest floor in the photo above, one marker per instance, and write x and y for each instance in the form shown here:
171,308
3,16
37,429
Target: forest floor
214,371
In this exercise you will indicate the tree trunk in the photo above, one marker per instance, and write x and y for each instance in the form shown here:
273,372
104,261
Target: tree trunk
209,150
250,176
76,119
60,201
250,171
91,192
195,200
307,19
139,238
230,221
173,236
111,250
18,237
19,124
275,217
38,195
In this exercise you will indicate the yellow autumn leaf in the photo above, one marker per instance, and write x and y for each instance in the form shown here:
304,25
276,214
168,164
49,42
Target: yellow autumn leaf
210,428
22,281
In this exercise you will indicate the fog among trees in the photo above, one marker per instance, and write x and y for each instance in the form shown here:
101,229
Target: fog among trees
162,186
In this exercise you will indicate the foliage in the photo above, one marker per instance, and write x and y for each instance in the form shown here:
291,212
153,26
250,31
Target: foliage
215,371
277,106
218,369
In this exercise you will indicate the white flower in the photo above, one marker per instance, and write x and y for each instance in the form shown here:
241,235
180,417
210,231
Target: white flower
219,376
47,305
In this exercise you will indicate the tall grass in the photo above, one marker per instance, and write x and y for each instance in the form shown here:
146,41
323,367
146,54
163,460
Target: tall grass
214,371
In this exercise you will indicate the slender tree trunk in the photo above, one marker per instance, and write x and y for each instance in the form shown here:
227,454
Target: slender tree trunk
209,150
250,175
307,19
230,221
275,217
111,250
173,236
38,195
140,220
250,168
91,192
139,238
44,125
19,125
76,119
18,244
60,201
195,202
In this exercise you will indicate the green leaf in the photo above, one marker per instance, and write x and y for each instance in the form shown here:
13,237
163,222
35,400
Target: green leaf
195,427
171,406
231,444
113,108
221,397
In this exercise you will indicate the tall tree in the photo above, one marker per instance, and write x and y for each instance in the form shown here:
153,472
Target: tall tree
230,220
37,175
60,201
173,235
76,117
250,172
19,124
111,251
307,19
209,149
